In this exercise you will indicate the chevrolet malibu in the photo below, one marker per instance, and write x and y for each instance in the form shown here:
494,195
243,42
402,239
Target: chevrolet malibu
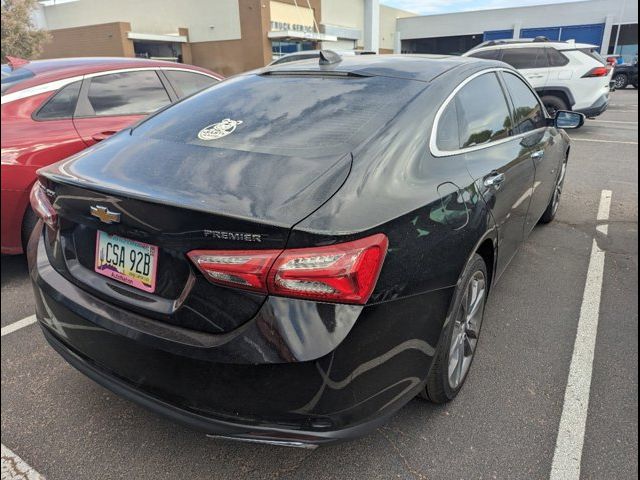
292,255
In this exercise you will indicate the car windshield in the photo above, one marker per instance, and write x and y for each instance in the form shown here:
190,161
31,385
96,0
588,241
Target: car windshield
285,114
11,77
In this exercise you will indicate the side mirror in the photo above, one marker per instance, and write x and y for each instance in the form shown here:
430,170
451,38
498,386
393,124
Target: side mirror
569,120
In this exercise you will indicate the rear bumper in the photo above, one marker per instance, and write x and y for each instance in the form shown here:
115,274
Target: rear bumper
598,108
210,426
379,366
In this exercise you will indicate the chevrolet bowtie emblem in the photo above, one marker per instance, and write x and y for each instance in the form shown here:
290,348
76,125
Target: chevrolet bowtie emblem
104,214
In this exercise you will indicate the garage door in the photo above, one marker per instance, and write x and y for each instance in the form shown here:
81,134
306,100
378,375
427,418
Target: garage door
591,34
498,35
584,33
550,33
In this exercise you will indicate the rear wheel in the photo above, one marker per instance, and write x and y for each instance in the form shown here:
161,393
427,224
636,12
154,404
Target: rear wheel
458,344
554,104
28,224
621,81
552,209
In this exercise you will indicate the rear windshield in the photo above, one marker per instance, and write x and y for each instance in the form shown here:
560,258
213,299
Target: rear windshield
11,77
593,53
284,114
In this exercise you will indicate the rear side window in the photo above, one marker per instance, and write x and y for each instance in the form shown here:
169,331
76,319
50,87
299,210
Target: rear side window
188,83
528,111
62,104
524,58
448,137
127,93
556,58
483,112
488,55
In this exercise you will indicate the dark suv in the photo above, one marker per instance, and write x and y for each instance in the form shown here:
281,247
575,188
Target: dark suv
626,74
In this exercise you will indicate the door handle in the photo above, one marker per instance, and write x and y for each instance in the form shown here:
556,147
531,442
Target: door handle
494,179
98,137
537,156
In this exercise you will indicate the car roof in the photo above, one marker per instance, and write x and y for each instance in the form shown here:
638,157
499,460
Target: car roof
528,43
411,67
59,68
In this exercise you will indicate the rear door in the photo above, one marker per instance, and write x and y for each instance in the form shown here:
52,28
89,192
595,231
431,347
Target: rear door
503,175
108,103
532,62
539,144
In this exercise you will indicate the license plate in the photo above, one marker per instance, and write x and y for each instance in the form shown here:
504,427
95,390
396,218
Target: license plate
127,261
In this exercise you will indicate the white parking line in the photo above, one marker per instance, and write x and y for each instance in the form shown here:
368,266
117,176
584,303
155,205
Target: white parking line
568,452
12,327
14,468
597,140
613,121
603,212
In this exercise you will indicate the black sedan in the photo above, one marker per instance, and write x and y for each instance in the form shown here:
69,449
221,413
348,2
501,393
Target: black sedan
292,255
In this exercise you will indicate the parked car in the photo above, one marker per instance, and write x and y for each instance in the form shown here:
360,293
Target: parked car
293,269
54,108
626,74
566,75
310,54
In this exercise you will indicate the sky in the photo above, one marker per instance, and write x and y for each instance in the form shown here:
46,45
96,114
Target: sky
429,7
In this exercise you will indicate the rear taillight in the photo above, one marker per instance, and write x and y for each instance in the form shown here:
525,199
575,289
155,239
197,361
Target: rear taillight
344,272
598,72
41,205
236,268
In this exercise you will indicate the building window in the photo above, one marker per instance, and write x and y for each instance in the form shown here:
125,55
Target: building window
280,48
625,43
442,45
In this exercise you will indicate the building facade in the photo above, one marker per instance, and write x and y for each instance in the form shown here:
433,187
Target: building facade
612,25
227,36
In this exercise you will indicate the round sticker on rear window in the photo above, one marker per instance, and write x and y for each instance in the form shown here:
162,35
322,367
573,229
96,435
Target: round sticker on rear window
219,130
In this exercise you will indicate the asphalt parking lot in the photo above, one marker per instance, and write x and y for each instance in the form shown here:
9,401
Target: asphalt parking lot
505,423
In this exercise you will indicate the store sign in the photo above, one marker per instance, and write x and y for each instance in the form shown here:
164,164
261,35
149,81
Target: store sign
291,27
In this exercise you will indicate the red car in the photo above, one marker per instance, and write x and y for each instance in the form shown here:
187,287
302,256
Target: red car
54,108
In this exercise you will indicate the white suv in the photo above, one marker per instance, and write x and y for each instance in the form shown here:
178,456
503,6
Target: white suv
566,75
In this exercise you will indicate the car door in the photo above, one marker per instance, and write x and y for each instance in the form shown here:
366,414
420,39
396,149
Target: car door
539,142
113,101
532,62
493,155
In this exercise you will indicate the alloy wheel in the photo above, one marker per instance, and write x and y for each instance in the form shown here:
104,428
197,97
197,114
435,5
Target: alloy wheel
466,329
620,81
557,193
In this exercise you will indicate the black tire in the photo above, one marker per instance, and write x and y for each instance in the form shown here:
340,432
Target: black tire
549,214
621,81
554,104
28,224
438,388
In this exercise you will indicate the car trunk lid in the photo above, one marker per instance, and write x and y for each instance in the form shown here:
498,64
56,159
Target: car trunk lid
179,199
